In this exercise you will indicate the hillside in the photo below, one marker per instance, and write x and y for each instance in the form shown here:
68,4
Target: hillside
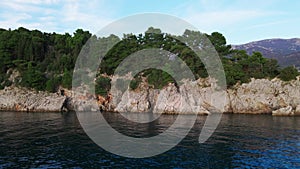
45,61
286,51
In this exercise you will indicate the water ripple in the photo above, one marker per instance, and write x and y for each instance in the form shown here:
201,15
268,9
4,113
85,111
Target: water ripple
54,140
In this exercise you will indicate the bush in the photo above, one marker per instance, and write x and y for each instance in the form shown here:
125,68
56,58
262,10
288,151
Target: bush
102,85
53,84
67,79
159,78
33,78
134,84
288,73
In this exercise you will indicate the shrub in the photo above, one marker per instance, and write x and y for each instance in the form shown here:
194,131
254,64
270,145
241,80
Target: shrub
288,73
102,85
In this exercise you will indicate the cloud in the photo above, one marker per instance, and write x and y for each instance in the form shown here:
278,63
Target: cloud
13,20
91,16
26,13
20,7
37,2
210,15
233,18
54,15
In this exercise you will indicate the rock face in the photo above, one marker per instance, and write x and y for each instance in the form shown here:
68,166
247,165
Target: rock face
264,96
21,99
256,97
260,96
168,100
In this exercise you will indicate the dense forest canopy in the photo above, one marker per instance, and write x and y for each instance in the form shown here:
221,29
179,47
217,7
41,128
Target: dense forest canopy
46,60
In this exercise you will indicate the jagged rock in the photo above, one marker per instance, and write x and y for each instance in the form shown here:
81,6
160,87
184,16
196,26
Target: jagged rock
22,99
134,102
187,99
285,111
257,97
192,97
263,96
83,102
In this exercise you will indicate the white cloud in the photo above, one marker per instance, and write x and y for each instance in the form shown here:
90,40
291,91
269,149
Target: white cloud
233,19
37,2
19,7
54,15
91,16
13,20
237,18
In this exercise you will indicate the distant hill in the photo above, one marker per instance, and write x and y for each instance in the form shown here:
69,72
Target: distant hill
286,51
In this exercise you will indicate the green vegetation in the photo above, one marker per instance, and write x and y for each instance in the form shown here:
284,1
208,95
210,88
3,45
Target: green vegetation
33,78
134,84
102,85
240,67
46,60
288,73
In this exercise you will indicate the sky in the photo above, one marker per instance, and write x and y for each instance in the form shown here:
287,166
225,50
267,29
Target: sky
240,21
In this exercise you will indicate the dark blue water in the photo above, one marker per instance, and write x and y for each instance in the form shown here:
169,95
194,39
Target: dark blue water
54,140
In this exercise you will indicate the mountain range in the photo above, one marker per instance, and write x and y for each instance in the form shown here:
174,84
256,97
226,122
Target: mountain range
286,51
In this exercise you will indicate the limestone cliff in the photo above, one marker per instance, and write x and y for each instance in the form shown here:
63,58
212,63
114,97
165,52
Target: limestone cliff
256,97
22,99
265,96
259,96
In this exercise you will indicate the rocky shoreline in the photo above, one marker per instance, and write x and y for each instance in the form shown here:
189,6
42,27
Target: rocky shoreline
26,100
260,96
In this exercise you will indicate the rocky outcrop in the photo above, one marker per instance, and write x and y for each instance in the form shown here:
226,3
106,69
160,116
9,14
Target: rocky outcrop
85,101
264,96
285,111
22,99
260,96
256,97
168,100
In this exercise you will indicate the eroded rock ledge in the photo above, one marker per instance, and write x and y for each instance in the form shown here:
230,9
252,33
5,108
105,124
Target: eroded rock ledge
260,96
23,99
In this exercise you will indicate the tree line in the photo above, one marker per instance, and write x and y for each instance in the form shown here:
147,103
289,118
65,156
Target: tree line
46,60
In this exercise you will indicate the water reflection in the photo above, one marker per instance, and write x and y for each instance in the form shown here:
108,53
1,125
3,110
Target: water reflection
45,140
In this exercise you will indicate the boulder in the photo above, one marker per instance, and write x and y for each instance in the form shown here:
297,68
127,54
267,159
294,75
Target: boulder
285,111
